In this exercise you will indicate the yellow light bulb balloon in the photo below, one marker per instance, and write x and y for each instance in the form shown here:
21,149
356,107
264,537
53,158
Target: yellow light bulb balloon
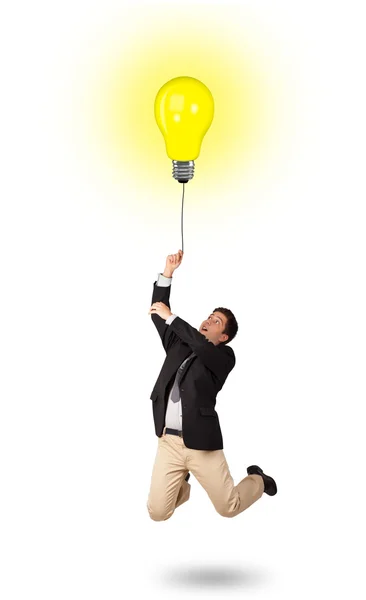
184,109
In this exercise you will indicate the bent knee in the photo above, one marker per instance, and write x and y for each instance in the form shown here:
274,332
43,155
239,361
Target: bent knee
157,513
226,511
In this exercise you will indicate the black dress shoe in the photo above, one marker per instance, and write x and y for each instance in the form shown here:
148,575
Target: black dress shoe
188,476
270,486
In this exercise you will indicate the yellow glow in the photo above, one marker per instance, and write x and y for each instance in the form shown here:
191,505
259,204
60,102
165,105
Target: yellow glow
184,109
219,48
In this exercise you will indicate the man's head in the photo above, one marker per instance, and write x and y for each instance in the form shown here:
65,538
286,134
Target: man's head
220,327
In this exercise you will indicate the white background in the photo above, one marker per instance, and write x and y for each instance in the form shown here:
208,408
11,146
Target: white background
80,355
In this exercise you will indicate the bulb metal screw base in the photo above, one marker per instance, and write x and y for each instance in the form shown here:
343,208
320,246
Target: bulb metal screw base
183,170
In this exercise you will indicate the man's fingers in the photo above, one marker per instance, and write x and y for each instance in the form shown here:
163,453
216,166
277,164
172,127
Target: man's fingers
175,259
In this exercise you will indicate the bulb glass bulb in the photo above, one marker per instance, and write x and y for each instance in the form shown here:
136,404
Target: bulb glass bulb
184,110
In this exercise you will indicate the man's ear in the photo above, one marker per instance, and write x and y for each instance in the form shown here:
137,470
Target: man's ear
226,337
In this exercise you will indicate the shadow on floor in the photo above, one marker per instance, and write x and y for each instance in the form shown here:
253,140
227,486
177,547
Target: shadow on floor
213,576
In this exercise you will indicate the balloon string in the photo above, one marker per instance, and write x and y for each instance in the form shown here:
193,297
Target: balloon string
182,217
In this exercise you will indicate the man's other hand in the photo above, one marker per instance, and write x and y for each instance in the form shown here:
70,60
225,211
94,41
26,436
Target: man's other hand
161,309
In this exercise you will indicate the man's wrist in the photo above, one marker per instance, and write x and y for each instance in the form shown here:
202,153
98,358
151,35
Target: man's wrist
170,319
168,273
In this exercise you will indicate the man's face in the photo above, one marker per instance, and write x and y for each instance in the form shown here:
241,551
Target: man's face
214,325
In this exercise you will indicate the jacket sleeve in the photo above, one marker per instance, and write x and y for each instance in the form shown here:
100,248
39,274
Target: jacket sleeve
162,294
220,361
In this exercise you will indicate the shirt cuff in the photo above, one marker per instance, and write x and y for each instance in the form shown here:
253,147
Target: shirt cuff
170,319
163,281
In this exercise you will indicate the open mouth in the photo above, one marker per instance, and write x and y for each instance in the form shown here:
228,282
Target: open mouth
204,329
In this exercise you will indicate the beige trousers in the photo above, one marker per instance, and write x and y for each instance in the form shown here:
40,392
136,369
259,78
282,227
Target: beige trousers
169,489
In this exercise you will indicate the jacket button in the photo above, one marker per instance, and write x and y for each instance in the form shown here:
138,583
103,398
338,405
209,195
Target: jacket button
184,406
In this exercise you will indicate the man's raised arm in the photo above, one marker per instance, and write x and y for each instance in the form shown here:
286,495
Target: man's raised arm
161,293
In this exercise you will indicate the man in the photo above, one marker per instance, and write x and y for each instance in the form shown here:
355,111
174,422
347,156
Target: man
196,366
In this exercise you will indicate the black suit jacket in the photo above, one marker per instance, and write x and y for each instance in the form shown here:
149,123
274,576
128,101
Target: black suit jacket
202,378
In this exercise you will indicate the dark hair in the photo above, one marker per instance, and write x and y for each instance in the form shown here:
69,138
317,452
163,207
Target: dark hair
231,327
